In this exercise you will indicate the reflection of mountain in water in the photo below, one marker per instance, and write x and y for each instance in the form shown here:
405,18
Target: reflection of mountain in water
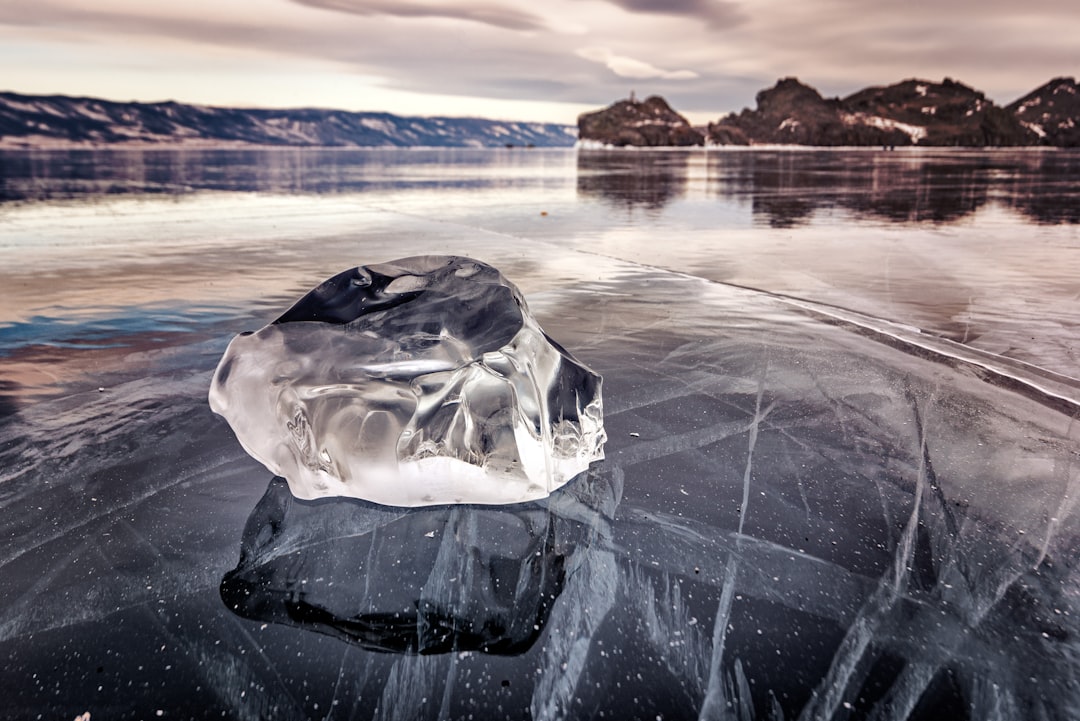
1048,192
427,580
630,179
787,187
86,173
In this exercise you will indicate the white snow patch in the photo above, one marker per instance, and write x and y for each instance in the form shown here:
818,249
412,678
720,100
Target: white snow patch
915,132
789,124
39,107
17,105
92,113
1067,123
41,141
132,132
929,110
585,144
51,110
380,126
1035,128
286,129
656,123
921,90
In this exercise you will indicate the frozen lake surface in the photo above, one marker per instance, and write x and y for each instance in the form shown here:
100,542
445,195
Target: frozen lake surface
842,470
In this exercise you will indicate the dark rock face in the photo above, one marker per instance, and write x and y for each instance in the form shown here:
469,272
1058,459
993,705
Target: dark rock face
793,113
951,113
650,123
912,112
1051,112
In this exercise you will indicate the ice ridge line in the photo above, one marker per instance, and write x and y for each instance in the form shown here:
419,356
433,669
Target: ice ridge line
927,342
998,365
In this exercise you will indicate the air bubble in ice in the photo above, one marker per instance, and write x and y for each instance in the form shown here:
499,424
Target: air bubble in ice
416,382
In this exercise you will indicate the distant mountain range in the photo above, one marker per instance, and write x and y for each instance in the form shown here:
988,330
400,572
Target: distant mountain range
43,121
911,112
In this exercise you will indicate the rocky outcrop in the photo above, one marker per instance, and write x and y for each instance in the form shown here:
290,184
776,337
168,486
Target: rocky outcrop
35,121
797,114
912,112
648,123
948,113
1051,112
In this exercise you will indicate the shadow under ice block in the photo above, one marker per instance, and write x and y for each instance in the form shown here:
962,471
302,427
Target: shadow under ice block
424,581
417,382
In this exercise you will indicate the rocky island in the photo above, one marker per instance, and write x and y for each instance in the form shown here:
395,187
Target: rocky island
648,123
911,112
1052,112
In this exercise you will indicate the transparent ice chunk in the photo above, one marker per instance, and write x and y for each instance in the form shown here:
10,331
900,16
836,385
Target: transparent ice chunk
421,381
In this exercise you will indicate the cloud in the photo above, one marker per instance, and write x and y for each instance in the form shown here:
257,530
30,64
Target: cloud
626,67
517,50
486,14
718,13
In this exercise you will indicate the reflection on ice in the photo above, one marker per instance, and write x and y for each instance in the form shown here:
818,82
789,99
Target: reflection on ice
786,187
426,581
416,382
630,179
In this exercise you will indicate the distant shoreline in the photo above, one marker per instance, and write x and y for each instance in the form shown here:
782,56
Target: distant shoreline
28,121
6,146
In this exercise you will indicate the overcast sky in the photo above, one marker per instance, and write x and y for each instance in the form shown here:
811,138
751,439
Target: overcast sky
526,60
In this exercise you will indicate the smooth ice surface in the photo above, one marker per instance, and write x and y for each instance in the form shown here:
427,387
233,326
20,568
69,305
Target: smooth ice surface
805,511
417,382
